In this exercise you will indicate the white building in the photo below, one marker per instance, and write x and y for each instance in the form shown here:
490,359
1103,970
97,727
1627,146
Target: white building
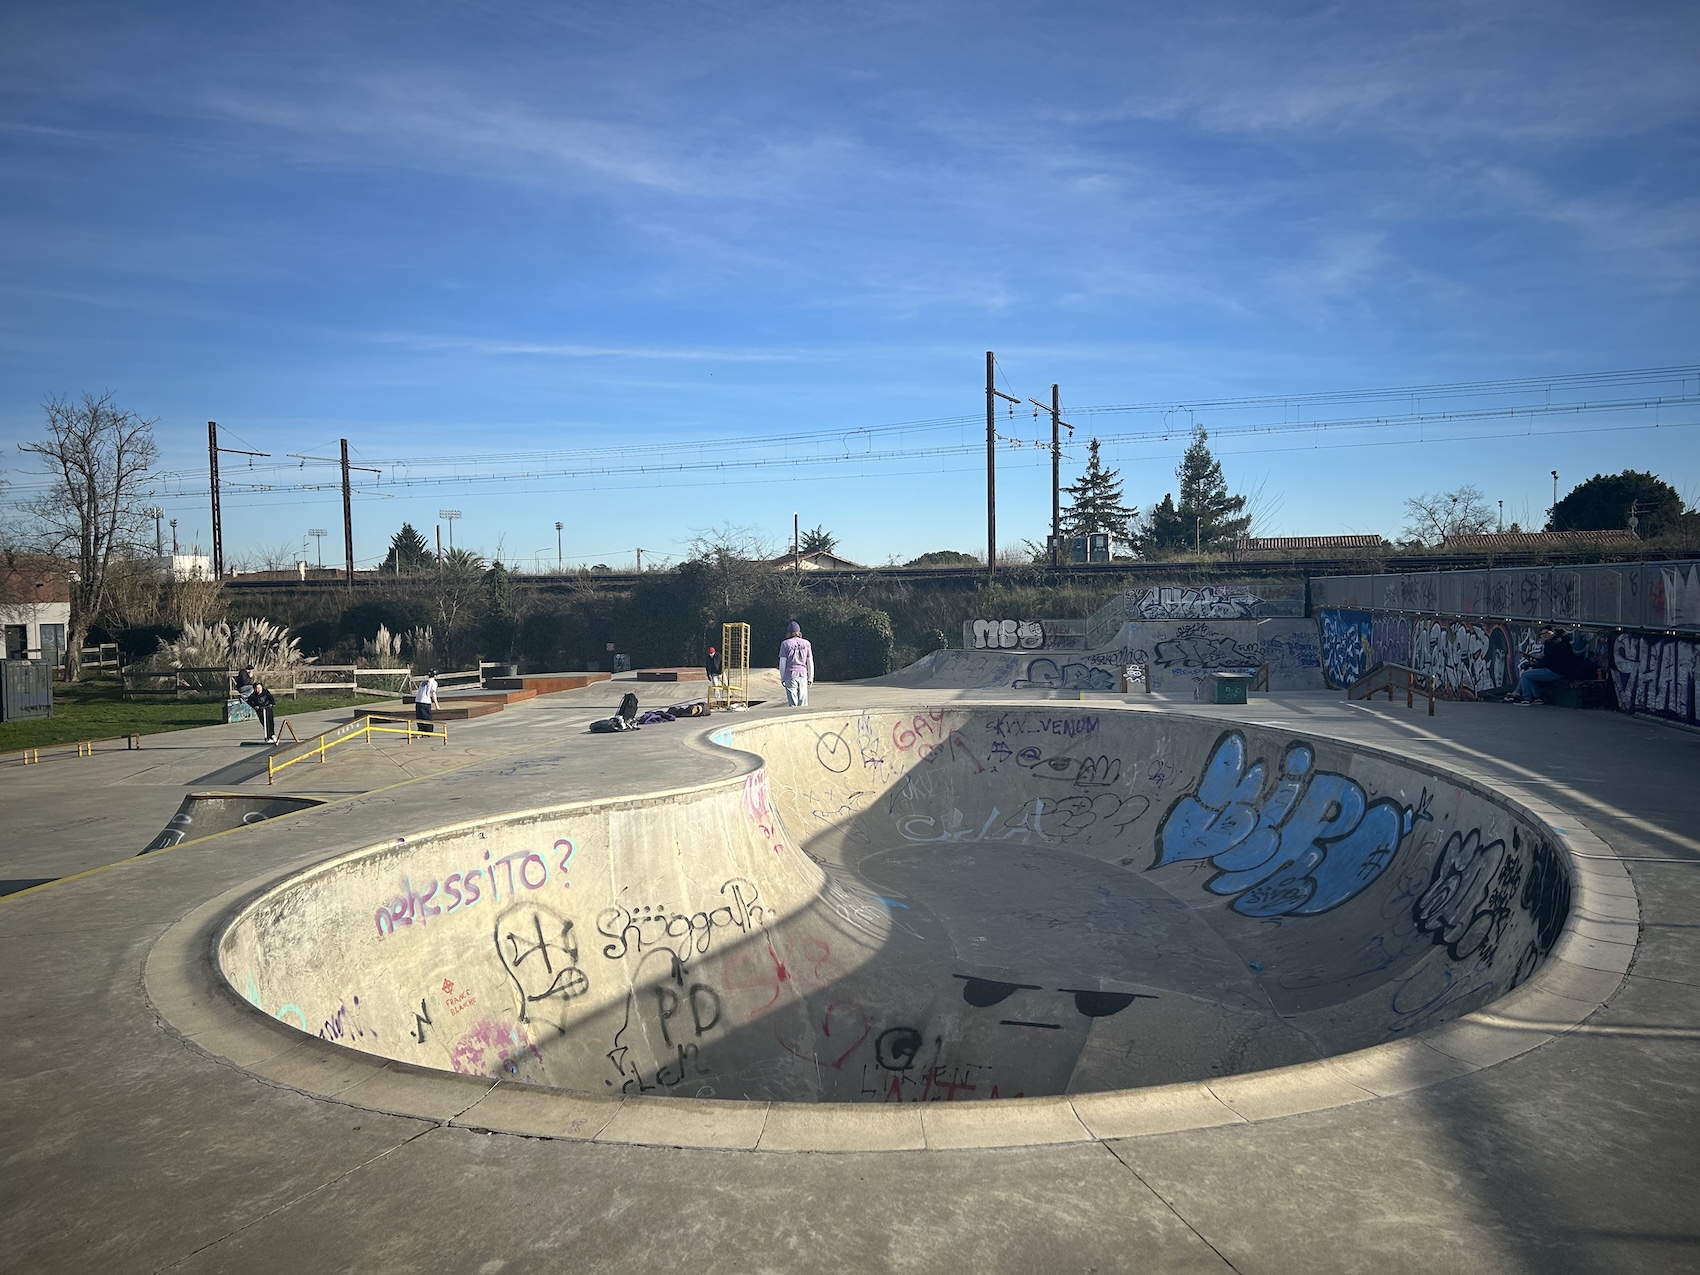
35,614
186,566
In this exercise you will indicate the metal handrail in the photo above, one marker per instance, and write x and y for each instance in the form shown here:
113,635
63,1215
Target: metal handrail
320,746
31,756
1383,678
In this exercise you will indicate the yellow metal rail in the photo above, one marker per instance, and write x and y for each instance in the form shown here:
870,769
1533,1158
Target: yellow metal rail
84,747
364,730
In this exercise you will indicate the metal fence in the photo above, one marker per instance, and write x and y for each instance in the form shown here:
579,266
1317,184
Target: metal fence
1632,595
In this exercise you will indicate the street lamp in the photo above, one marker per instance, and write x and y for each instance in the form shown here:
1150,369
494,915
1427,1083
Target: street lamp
319,534
174,537
156,513
557,546
449,516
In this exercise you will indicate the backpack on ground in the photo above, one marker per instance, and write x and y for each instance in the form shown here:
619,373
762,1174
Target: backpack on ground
610,726
628,706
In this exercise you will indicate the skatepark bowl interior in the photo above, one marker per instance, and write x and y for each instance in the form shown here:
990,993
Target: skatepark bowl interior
927,906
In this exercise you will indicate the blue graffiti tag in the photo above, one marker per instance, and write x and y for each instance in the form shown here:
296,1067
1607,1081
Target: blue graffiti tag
1313,842
1346,646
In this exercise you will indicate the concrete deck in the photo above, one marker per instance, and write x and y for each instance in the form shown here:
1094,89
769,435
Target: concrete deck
136,1143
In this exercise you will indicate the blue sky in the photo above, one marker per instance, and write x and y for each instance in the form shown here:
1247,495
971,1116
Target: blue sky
648,236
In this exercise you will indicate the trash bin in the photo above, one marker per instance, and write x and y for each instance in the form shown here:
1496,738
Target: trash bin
1224,688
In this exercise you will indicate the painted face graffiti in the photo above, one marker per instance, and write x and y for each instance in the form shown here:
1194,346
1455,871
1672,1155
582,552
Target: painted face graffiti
539,953
1312,842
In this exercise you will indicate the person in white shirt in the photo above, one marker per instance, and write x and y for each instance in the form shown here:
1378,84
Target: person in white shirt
425,699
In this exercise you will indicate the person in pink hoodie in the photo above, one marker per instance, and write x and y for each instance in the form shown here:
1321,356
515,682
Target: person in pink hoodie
796,666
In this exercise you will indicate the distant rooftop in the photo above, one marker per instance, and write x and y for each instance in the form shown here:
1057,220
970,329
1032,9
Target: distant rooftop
1537,539
1284,544
816,560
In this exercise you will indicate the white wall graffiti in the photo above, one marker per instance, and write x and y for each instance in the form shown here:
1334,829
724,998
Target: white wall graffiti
1656,675
1469,660
1008,635
1207,602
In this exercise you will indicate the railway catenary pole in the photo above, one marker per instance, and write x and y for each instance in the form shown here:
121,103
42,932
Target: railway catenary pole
993,394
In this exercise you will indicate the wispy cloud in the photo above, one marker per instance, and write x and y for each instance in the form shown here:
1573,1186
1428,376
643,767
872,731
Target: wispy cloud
576,350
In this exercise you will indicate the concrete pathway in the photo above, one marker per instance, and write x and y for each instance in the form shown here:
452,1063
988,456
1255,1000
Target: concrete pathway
129,1147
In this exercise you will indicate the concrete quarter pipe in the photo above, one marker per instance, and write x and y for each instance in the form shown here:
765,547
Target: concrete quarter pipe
933,905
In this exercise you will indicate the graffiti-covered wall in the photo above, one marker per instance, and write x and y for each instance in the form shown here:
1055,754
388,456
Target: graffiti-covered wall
1651,673
1613,595
1655,674
1468,658
1178,653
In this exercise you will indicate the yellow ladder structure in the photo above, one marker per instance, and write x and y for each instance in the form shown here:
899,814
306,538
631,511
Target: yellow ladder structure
734,685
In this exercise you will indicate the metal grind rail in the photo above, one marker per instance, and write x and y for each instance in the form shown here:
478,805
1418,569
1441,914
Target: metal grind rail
31,756
365,728
1394,677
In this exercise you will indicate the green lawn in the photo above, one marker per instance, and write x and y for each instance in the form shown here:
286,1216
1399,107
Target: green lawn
95,708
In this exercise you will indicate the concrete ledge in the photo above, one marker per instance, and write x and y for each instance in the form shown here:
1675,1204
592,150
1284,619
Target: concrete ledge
412,1091
1399,1067
1024,1122
842,1127
545,683
1483,1044
1595,954
1268,1095
539,1113
688,1122
316,1067
1578,982
1134,1113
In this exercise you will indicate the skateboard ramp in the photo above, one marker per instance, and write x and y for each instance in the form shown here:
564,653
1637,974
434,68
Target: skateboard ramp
931,905
202,814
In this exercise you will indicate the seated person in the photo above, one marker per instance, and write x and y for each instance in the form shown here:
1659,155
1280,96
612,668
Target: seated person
1557,661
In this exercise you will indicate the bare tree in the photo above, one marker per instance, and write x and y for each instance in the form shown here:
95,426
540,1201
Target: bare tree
1432,517
737,558
99,458
279,557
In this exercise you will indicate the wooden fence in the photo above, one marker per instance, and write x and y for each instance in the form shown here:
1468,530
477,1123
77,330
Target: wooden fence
219,684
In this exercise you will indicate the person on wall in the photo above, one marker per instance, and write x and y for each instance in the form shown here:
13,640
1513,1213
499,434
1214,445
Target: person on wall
796,666
264,704
1556,662
425,700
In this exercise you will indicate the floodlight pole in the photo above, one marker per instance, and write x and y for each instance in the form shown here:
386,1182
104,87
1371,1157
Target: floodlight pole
558,559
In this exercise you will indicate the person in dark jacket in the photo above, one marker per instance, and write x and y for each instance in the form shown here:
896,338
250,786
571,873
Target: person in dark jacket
712,666
264,704
1556,662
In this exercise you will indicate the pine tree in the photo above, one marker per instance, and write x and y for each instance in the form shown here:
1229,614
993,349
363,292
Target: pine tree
408,551
1095,503
1163,531
1210,517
